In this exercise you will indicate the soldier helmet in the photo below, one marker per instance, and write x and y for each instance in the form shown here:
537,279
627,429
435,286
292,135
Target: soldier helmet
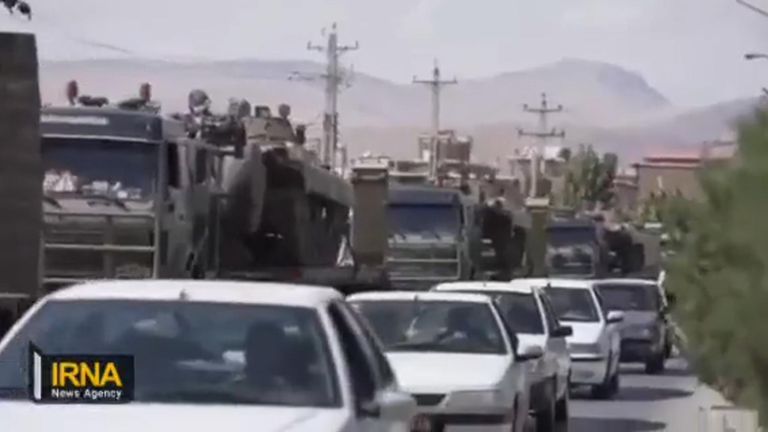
199,101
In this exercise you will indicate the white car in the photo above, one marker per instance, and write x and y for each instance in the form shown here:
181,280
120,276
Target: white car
455,354
595,344
532,317
209,355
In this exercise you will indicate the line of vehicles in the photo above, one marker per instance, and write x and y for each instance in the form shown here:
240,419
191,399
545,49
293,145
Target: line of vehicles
467,355
241,273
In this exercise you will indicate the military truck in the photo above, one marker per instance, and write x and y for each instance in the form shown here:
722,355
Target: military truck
126,192
457,226
584,246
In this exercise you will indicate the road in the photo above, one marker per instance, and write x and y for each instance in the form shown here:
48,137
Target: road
646,403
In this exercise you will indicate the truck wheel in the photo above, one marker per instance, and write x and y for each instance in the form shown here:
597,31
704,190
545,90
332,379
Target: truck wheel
545,419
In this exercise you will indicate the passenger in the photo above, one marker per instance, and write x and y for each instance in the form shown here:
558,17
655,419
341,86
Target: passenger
273,367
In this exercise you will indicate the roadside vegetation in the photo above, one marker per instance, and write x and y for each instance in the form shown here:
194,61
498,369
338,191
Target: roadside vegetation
719,270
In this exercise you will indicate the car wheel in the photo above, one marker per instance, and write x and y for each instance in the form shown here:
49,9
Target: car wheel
561,410
655,365
609,387
545,419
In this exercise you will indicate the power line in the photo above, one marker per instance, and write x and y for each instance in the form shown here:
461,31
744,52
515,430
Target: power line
542,135
753,8
334,77
436,86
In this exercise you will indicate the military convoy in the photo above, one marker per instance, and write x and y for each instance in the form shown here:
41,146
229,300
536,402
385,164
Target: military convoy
128,192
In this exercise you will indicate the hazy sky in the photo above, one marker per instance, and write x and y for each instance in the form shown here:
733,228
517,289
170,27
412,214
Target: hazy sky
691,50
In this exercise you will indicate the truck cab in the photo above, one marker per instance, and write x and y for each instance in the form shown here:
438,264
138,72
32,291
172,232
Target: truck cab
127,194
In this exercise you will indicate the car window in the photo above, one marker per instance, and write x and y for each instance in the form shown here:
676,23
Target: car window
510,331
190,352
519,310
549,312
573,304
361,371
629,297
436,326
386,375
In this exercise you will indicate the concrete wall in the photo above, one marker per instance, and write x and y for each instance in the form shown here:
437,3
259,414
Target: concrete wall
20,165
673,178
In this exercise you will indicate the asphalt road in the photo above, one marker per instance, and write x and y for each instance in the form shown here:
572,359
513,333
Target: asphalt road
646,403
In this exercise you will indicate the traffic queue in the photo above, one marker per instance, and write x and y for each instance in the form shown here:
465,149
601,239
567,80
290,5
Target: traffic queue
192,355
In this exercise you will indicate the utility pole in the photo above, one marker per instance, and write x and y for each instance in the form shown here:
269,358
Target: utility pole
542,136
334,77
436,85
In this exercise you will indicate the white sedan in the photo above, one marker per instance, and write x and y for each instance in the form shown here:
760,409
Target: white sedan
455,354
208,355
531,315
595,344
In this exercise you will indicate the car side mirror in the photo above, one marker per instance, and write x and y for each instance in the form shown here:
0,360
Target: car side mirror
615,317
369,409
530,352
563,331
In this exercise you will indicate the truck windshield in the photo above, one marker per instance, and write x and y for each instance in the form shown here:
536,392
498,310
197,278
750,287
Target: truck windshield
123,170
434,326
573,304
440,221
188,352
571,260
566,236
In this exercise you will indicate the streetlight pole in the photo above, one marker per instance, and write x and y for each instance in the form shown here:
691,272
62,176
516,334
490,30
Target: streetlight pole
754,56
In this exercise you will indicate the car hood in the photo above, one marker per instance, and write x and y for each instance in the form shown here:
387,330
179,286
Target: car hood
30,417
443,372
583,332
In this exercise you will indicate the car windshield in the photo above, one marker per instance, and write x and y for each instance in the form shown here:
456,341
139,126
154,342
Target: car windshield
439,221
571,259
123,170
628,297
573,304
520,310
189,352
436,326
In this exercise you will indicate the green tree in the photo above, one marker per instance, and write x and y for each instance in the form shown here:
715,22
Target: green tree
720,271
589,178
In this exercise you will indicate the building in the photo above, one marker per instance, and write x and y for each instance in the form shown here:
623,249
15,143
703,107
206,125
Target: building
678,172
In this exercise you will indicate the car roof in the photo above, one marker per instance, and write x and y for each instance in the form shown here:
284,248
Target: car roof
271,293
515,286
627,281
419,295
555,282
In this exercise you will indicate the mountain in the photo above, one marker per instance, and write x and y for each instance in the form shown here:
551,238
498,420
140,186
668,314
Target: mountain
604,104
591,92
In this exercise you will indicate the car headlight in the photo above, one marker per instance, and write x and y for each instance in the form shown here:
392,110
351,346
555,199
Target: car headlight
476,398
585,348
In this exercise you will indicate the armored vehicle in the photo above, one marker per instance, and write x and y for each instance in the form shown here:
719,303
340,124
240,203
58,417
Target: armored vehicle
282,215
